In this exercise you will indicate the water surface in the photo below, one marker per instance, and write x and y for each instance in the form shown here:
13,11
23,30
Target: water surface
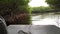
46,19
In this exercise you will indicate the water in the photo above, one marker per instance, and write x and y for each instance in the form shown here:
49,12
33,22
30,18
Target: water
41,24
46,19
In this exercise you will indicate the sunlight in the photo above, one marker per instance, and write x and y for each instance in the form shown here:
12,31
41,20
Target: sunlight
37,3
45,22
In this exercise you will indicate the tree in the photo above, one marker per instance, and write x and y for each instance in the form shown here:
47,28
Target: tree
11,9
40,9
54,3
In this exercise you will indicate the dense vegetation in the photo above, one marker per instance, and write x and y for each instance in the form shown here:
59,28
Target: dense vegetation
40,9
54,3
54,6
15,11
18,11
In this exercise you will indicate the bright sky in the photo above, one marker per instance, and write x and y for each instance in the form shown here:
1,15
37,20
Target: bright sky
37,3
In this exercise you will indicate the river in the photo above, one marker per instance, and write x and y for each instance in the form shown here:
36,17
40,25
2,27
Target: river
46,19
41,24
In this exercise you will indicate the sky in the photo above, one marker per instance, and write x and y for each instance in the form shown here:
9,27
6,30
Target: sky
37,3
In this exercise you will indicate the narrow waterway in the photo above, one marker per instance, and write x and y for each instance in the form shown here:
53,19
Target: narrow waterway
41,24
46,19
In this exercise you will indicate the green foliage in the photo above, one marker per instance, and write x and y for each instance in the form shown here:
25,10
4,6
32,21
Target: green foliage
10,8
23,2
41,9
3,1
54,3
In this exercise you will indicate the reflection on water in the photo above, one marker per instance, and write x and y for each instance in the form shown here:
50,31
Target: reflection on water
46,19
